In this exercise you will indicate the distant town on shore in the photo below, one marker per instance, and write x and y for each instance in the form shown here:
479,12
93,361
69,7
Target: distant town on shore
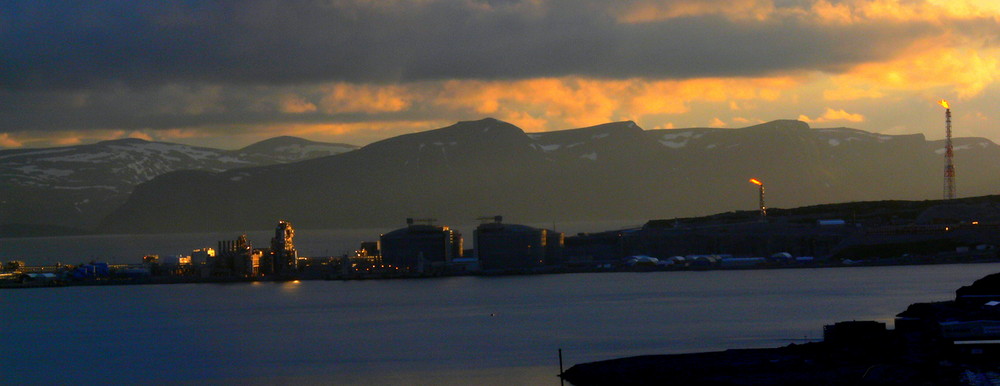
871,233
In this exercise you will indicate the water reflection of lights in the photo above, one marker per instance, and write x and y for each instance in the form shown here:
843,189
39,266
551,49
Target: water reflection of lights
291,286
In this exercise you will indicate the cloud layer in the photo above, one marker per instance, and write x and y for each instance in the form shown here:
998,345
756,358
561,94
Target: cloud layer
63,45
254,67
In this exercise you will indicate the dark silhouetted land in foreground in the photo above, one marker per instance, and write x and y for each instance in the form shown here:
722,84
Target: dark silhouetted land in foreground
944,343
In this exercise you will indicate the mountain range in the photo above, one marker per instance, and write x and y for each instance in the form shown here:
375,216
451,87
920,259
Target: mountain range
614,171
77,186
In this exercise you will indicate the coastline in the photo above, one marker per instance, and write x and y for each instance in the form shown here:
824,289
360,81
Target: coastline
155,280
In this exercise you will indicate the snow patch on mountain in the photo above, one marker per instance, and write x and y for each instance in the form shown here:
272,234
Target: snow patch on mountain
34,153
303,150
119,165
82,157
35,171
837,136
678,139
967,146
105,187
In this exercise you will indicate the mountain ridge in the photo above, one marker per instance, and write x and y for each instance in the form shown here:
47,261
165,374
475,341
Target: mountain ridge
605,172
76,186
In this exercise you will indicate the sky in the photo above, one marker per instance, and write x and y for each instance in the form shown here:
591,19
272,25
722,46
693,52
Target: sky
229,73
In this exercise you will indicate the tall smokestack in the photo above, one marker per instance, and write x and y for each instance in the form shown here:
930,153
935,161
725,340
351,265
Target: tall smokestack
949,154
763,208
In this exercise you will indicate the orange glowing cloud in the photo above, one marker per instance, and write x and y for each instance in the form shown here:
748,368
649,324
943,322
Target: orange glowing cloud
578,101
558,103
861,11
648,11
525,121
290,103
832,115
966,71
848,93
951,62
7,141
179,133
139,135
350,132
355,98
78,137
847,12
67,140
746,121
935,12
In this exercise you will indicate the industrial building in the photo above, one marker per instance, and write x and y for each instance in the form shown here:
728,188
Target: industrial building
420,247
202,256
500,246
664,238
282,258
235,258
366,259
597,249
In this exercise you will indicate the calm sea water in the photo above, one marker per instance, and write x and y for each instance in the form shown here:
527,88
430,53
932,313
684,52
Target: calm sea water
462,330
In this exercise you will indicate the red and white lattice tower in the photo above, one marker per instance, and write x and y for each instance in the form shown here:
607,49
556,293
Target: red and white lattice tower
949,155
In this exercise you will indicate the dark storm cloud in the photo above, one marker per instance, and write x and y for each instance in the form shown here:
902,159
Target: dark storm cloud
65,45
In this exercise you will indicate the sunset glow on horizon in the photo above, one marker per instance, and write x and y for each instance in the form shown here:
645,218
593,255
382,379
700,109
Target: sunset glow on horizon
228,74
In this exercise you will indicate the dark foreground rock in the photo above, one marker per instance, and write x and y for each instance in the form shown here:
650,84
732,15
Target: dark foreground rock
955,342
807,364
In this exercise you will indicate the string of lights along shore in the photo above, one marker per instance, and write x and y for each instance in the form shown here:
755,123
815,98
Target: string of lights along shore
949,155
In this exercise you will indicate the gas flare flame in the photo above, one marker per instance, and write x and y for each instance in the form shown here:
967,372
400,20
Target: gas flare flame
756,181
944,103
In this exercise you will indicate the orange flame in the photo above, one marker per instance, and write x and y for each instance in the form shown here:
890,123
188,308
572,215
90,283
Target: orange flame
756,181
944,103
